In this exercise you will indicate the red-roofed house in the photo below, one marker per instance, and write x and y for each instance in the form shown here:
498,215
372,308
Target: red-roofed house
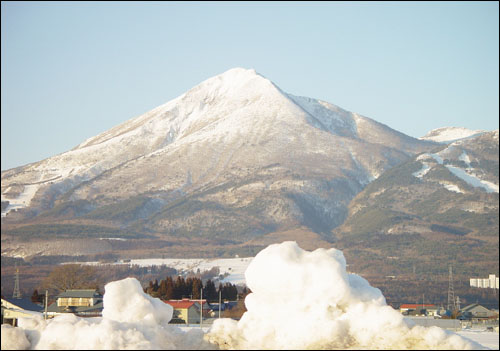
187,311
407,308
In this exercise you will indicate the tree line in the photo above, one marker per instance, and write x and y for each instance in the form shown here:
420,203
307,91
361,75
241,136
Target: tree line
191,287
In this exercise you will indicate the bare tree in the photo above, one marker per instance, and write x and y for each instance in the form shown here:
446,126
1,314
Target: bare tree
71,276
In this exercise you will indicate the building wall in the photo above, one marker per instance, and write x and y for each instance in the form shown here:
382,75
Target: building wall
193,315
490,282
74,301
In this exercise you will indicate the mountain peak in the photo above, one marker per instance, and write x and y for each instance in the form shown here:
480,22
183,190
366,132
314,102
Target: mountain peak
239,71
448,135
232,82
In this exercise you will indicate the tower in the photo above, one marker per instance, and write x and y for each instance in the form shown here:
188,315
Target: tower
451,295
17,293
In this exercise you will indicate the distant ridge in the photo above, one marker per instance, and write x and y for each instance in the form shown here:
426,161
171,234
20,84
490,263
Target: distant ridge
448,135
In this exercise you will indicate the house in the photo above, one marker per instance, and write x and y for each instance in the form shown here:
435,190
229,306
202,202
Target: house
418,309
13,309
477,311
82,302
185,311
188,311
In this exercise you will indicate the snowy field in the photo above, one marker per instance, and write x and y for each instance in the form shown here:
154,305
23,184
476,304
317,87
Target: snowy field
232,268
291,306
481,336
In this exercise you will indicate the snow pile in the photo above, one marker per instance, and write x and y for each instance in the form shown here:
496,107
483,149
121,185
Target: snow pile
131,320
307,300
299,300
14,338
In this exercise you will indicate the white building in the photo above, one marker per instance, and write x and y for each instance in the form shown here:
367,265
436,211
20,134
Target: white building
490,282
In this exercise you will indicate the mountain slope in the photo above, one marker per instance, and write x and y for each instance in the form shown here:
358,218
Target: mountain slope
438,208
233,158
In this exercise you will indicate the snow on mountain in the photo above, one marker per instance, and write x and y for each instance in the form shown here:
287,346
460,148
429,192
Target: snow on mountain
448,135
456,150
236,132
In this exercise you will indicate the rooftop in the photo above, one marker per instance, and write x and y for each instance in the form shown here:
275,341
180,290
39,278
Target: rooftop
88,293
417,305
24,304
179,304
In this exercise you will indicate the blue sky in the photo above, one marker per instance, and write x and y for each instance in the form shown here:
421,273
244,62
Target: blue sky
70,71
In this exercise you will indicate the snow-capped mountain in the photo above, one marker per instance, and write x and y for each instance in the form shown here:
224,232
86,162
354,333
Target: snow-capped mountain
233,157
447,135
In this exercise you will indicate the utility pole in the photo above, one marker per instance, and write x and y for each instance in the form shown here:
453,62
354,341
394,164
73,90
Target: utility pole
220,295
17,293
46,302
201,308
423,305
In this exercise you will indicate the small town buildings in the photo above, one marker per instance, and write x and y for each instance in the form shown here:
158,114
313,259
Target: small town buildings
419,309
82,302
13,309
476,311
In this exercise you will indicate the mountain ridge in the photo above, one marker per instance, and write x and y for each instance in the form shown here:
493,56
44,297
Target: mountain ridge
233,158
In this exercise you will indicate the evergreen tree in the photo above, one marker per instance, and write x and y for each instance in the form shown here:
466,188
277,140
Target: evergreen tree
196,290
179,288
209,292
229,292
169,295
163,288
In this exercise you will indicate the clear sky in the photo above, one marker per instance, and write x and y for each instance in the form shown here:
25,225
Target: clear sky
70,71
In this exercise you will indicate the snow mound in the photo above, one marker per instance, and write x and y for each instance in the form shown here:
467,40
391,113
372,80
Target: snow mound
132,320
138,306
299,300
307,300
13,338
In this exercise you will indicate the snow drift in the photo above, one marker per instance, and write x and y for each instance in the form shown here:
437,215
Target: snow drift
132,320
299,300
307,300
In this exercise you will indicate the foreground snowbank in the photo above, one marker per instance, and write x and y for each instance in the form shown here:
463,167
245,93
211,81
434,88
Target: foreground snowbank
132,320
299,300
307,300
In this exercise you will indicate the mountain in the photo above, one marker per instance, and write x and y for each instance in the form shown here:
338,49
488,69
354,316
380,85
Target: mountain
449,135
227,162
436,209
